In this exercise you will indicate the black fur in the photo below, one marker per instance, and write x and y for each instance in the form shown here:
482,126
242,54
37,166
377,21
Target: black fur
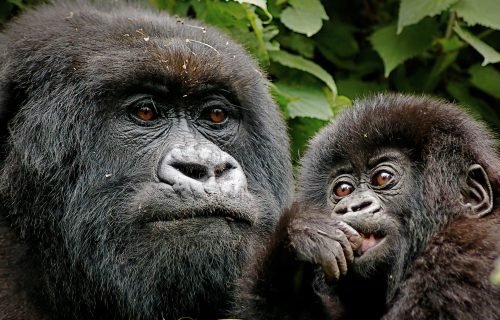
83,181
440,247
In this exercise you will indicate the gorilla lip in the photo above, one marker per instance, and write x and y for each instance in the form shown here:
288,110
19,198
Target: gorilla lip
231,216
369,241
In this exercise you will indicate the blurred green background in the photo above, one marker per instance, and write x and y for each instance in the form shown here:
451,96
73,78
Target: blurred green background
321,55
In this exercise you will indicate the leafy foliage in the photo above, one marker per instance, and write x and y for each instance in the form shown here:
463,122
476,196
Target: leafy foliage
321,54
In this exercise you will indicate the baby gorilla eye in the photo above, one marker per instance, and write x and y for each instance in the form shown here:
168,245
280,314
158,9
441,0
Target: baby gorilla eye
381,178
146,113
343,189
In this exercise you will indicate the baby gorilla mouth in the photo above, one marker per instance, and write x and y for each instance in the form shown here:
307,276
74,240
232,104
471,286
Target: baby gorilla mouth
369,241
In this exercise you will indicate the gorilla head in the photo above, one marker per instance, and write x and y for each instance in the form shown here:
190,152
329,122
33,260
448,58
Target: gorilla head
397,209
417,180
143,163
411,166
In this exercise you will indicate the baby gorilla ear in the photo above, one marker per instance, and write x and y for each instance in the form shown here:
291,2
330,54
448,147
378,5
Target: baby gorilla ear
477,195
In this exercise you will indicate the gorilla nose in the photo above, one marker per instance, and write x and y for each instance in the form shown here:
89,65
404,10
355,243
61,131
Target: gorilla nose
359,204
202,168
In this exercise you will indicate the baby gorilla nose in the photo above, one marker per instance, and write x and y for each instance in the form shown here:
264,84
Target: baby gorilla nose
361,203
202,169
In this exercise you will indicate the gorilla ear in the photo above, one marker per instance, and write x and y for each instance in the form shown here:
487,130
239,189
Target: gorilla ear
478,195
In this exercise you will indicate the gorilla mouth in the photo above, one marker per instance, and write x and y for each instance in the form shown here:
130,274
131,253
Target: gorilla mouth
369,241
231,216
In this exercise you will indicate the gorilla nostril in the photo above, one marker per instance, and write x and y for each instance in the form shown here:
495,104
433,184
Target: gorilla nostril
192,170
222,168
361,205
340,210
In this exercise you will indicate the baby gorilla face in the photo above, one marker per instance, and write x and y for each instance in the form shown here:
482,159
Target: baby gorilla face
372,196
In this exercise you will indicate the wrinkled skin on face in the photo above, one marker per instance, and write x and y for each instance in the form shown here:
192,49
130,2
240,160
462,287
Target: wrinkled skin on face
144,163
396,218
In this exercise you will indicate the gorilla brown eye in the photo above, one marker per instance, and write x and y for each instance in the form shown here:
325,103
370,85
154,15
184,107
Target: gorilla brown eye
217,115
343,189
145,113
382,178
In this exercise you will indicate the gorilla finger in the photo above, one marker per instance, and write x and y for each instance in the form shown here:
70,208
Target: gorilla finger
341,259
339,237
331,270
346,246
352,235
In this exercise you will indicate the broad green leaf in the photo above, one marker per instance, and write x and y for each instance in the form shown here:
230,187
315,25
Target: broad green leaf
486,79
483,12
412,11
304,16
297,62
298,43
489,54
306,102
261,4
395,49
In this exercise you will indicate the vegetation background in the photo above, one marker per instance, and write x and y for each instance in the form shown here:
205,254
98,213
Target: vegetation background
321,55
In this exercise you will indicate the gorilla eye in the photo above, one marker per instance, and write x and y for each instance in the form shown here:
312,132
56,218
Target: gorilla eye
343,189
146,113
382,178
215,115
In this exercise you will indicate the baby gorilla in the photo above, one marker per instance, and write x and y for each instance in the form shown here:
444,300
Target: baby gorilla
396,218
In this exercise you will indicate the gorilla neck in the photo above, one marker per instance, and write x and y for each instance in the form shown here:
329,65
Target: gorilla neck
19,280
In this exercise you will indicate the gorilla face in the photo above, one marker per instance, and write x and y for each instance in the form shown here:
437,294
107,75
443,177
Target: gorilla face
377,197
143,170
165,197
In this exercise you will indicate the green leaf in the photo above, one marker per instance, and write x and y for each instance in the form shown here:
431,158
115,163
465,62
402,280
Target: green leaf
261,4
297,62
412,11
298,43
395,49
304,16
306,102
483,12
486,79
489,54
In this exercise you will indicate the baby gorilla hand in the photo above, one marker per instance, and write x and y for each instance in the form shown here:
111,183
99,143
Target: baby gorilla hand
324,241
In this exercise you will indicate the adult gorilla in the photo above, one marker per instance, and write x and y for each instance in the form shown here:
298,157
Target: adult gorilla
144,162
398,210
